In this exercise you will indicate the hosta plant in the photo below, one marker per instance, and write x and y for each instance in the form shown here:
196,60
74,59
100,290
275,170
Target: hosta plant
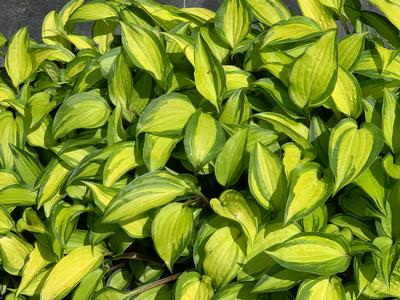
247,153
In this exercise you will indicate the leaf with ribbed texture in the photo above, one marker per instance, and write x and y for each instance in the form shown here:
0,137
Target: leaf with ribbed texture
146,51
157,150
149,191
18,60
6,221
225,251
352,150
315,10
120,82
18,195
237,109
375,183
93,11
52,180
233,21
346,95
318,253
391,9
204,139
38,259
122,160
267,180
229,162
295,29
209,75
232,205
269,12
329,288
171,231
297,131
9,135
63,220
192,285
14,252
83,110
314,74
166,115
309,188
139,227
69,271
350,49
391,121
184,42
27,166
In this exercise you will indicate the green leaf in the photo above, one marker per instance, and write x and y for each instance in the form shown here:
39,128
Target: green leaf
38,259
233,21
166,115
314,74
229,163
375,183
157,150
329,288
308,190
145,50
350,49
14,252
204,139
9,136
346,95
352,150
237,109
148,191
315,10
209,75
267,180
18,195
194,286
6,221
318,253
295,29
70,270
83,110
391,121
27,165
269,12
232,205
171,231
391,9
224,253
92,12
122,160
297,131
18,60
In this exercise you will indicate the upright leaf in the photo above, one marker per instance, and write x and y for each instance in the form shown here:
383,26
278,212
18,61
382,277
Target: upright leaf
233,21
18,60
314,74
352,150
267,180
209,75
204,139
146,51
171,231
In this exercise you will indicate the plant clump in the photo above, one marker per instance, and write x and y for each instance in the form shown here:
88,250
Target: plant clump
247,153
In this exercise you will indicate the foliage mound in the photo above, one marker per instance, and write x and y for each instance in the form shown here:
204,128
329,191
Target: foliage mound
185,154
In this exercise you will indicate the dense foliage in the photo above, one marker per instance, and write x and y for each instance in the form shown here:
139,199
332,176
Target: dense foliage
186,154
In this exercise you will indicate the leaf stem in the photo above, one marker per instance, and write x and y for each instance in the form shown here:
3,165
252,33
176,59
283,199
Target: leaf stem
137,256
154,284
